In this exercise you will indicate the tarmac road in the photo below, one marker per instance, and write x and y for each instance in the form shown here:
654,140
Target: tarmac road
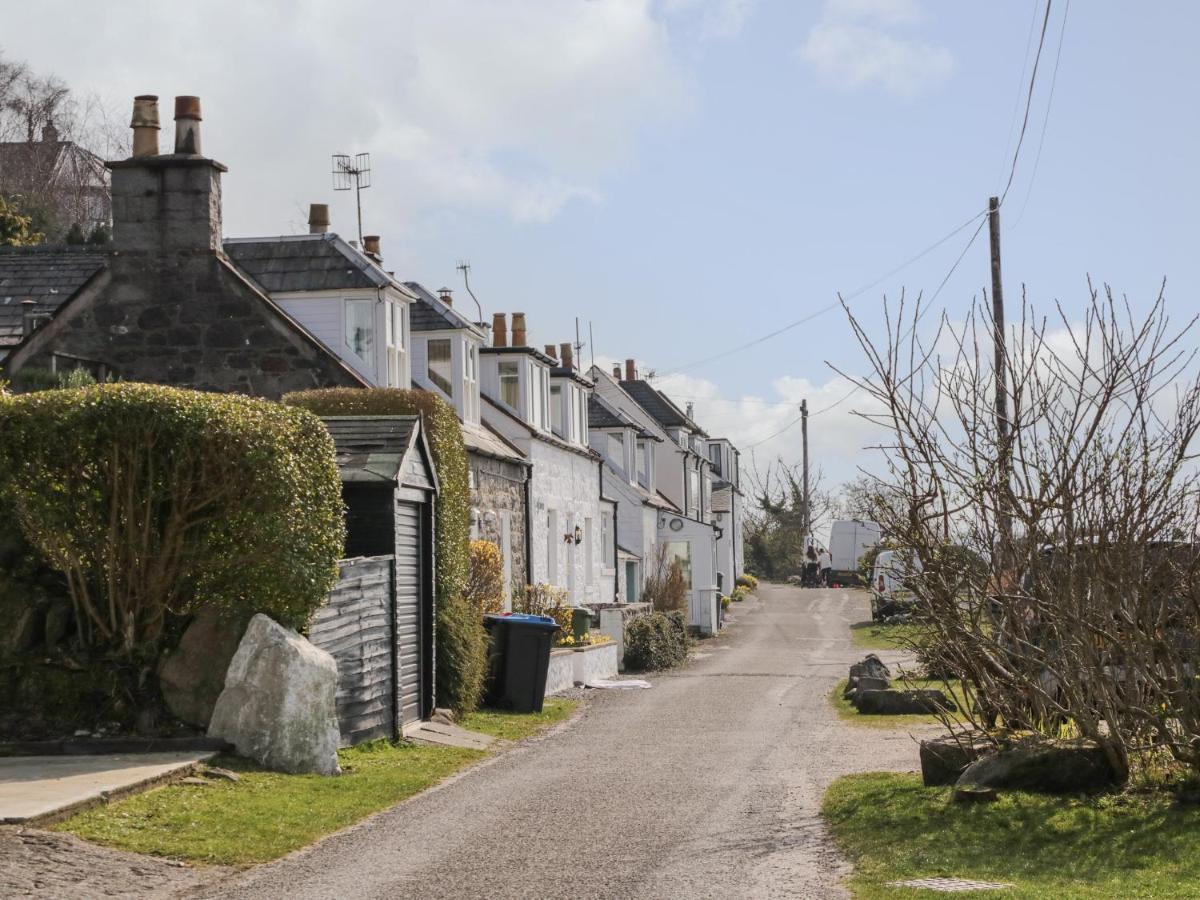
707,785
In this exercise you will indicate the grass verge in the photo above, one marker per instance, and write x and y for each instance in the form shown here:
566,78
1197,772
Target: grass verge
848,713
266,815
874,636
1122,845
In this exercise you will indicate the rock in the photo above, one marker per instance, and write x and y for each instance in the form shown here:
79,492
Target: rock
945,758
443,716
192,676
1045,766
973,794
218,772
60,622
898,703
870,667
277,707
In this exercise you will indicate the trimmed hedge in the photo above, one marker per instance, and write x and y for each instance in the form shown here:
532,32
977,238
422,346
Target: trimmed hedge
461,639
153,500
656,641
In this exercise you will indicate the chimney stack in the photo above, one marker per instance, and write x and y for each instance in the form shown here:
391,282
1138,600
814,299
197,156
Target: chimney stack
446,296
630,370
691,410
187,125
499,330
551,352
145,125
568,358
318,218
518,332
617,372
371,246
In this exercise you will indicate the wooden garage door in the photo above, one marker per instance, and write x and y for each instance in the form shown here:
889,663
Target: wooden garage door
408,610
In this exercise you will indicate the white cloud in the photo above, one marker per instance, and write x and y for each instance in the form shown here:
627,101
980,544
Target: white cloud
858,43
516,106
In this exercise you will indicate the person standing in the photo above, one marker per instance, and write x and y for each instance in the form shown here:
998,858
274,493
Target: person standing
825,564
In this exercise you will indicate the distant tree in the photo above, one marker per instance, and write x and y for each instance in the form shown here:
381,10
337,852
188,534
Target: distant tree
16,229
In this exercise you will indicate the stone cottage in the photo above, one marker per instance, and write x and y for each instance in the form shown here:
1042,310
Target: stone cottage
168,305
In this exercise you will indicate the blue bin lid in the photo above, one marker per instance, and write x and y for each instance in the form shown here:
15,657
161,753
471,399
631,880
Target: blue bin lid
524,618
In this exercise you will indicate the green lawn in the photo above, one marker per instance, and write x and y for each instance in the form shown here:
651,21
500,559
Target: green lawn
1124,845
874,636
848,713
266,815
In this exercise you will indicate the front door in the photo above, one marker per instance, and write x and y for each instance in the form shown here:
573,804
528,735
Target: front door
631,583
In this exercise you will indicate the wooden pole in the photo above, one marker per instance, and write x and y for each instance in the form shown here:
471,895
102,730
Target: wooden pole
807,504
1000,373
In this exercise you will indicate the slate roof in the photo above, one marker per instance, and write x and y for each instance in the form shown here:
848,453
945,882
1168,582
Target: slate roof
722,497
47,275
431,313
371,448
657,404
484,440
602,415
304,262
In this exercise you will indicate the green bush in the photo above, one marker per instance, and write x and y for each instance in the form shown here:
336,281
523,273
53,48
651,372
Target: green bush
726,601
747,581
461,639
152,500
656,641
739,594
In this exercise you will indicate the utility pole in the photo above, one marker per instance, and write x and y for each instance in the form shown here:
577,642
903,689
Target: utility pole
1000,373
804,457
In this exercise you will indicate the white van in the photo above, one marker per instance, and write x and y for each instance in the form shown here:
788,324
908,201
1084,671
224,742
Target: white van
889,594
848,541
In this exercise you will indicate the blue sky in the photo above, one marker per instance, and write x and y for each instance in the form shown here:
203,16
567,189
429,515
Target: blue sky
689,174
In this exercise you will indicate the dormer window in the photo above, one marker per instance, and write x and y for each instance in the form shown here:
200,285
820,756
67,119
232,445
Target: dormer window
438,367
616,448
556,410
360,329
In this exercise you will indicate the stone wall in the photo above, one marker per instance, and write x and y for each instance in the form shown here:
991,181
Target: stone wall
499,489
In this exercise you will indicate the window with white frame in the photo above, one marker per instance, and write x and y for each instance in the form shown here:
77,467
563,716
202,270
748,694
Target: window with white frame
439,367
360,329
616,448
470,374
556,409
397,362
714,455
544,395
643,463
510,385
581,415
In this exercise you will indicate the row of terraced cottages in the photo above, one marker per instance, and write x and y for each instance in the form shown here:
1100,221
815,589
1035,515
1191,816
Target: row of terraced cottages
585,479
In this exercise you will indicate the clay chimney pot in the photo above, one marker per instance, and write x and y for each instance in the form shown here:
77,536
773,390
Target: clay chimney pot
499,330
568,357
145,125
187,125
518,330
551,352
318,218
630,370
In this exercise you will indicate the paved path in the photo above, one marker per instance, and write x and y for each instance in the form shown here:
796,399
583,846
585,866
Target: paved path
709,785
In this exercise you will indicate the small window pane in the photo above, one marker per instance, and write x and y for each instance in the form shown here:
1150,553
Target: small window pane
360,328
510,390
439,365
682,551
556,409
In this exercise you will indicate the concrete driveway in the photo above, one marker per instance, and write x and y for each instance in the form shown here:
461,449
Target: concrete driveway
708,785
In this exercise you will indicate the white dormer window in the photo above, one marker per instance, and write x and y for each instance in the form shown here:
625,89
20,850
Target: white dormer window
581,416
397,344
360,330
439,368
544,395
616,448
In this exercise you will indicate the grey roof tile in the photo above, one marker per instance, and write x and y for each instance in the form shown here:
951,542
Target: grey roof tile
49,275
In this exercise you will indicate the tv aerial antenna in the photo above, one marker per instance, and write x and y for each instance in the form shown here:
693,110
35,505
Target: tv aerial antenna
465,267
353,173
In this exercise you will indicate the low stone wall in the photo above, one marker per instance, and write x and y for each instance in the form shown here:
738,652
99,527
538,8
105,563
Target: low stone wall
571,666
561,674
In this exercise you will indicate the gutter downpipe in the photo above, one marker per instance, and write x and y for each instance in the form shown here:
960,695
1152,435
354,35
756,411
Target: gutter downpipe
528,525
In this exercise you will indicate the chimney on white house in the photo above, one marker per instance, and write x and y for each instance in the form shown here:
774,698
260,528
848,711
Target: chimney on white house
371,247
318,218
499,330
631,370
518,330
187,126
446,296
568,357
145,125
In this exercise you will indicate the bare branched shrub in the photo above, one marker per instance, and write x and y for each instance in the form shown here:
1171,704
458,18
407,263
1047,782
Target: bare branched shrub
1054,550
666,587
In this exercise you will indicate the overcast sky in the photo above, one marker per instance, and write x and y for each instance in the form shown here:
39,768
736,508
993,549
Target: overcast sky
688,175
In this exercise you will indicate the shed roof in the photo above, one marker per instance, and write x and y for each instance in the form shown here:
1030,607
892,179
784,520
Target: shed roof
48,275
376,448
305,262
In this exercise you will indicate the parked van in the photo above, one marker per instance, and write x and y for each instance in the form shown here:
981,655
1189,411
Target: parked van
889,594
848,541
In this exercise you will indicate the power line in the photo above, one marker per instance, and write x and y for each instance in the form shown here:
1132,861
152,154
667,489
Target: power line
1046,119
832,306
1028,103
1012,125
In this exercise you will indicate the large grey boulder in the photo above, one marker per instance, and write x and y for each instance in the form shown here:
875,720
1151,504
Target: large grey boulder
871,666
1051,767
901,703
945,758
277,707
